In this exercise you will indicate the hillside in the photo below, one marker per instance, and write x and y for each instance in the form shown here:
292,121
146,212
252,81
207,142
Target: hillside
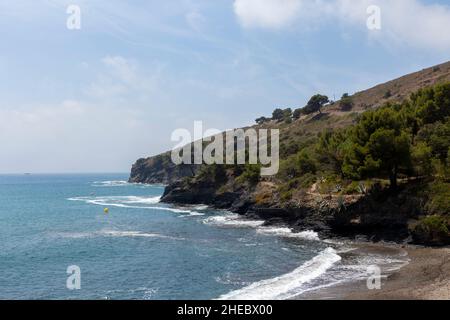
160,169
399,89
375,165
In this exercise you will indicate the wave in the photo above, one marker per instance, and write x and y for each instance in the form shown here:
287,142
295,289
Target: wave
133,202
114,183
288,285
388,263
288,233
201,207
117,200
229,278
115,233
329,268
123,183
147,293
237,221
193,214
138,234
233,220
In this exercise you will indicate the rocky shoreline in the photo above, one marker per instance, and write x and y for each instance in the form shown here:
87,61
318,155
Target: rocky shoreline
378,221
378,216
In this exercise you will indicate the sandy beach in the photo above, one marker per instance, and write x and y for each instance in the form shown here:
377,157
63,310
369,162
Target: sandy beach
426,277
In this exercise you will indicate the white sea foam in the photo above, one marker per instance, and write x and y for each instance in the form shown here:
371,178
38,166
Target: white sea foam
237,221
74,235
230,278
117,200
288,233
132,202
201,207
115,233
288,285
355,266
123,183
386,262
233,220
114,183
193,214
138,234
147,293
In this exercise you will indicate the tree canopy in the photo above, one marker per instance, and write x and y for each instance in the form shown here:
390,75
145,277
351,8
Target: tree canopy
408,139
315,104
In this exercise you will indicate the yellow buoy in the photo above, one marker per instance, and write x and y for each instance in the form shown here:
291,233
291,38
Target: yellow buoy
106,210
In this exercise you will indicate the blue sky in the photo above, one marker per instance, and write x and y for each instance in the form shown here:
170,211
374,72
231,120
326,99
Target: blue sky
98,98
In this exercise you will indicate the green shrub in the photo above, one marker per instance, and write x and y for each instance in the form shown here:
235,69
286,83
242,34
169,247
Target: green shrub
286,195
438,198
307,180
330,184
421,158
352,188
251,174
298,165
346,103
432,230
306,163
215,173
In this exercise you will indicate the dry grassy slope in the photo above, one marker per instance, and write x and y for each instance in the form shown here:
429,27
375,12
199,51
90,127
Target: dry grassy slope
333,117
400,88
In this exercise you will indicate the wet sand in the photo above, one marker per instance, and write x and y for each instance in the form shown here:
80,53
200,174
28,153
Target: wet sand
426,277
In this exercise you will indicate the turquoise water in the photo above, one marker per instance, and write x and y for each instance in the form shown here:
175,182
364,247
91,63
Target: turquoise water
141,249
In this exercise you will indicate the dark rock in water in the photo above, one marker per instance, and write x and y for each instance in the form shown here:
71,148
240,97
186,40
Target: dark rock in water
226,200
178,193
269,213
182,193
274,222
241,205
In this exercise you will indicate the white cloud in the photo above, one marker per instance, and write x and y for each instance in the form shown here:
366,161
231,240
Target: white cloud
105,128
122,77
124,69
410,23
71,136
417,24
266,13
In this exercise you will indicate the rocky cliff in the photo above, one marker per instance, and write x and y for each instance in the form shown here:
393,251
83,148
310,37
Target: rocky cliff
377,215
160,170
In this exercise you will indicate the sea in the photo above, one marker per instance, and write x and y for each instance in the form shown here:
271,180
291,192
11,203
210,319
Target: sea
96,236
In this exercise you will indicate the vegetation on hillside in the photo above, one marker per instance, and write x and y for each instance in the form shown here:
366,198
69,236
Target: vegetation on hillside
397,151
314,105
396,142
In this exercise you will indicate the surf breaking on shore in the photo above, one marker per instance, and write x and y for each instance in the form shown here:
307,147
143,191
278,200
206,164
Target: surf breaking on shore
325,269
236,221
288,285
340,262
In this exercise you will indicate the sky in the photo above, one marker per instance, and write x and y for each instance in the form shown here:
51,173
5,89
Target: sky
97,98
